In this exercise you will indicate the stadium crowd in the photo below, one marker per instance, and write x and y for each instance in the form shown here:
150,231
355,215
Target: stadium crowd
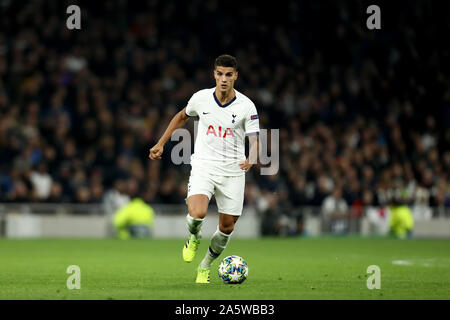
362,113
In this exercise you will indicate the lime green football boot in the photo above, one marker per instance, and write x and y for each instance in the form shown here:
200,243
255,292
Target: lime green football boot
190,249
203,275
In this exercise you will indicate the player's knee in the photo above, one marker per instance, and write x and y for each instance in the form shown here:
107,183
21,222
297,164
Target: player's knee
197,211
226,228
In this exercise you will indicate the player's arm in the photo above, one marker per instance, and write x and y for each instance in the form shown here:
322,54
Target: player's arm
177,122
252,154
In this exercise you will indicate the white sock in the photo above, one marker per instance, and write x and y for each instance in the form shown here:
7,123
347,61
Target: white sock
194,225
219,242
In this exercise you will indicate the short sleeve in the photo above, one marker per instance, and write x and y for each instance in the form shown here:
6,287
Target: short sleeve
252,121
191,108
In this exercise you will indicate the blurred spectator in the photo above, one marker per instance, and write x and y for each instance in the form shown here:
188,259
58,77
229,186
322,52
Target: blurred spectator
83,194
377,217
117,197
41,181
56,193
134,220
401,222
421,209
335,213
269,216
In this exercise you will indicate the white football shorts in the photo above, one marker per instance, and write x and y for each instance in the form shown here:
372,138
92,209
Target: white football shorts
228,191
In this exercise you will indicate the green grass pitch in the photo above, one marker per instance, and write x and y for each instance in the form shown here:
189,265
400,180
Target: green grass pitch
279,269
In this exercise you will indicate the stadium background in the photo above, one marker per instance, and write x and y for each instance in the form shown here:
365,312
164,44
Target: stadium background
364,113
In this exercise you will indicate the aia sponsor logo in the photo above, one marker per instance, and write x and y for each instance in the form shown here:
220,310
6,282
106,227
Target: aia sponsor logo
218,133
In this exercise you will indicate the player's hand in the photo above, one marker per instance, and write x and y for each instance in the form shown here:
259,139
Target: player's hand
156,152
245,165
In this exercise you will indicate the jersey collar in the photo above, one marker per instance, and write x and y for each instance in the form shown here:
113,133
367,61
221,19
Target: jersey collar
223,105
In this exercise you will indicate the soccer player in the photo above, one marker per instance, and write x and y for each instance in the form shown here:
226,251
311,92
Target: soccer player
218,163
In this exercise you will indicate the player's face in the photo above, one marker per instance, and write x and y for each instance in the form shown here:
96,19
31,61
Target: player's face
225,77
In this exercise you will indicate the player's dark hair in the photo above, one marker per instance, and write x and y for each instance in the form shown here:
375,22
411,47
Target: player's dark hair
225,60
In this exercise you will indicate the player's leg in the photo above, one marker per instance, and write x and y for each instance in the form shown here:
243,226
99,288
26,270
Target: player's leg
230,199
220,239
200,190
197,208
218,243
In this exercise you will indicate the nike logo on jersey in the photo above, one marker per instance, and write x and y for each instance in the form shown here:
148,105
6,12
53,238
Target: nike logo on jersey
205,112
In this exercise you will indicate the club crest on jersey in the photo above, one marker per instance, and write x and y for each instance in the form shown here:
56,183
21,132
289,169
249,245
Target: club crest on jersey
219,132
234,116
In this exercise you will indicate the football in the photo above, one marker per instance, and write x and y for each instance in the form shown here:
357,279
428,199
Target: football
233,270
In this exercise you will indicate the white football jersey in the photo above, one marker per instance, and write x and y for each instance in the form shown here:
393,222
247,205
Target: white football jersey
220,141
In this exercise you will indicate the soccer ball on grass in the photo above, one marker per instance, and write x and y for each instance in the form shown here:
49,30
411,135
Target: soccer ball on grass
233,270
